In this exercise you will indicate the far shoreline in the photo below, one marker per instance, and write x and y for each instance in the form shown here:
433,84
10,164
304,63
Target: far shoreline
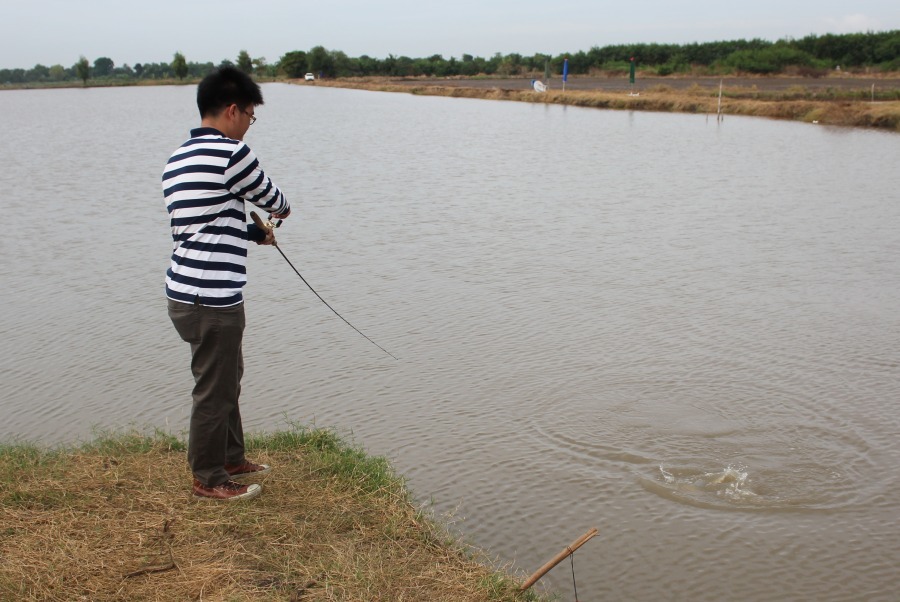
869,101
842,101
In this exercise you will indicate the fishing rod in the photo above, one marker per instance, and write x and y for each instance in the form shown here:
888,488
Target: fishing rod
265,226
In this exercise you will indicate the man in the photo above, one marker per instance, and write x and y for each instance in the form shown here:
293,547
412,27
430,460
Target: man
206,183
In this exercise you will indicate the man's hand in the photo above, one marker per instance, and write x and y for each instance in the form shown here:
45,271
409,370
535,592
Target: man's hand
269,239
265,227
279,215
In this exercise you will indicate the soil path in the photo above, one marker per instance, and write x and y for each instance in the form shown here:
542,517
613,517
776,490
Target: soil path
772,84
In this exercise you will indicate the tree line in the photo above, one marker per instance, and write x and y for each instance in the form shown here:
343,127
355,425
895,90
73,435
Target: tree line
811,55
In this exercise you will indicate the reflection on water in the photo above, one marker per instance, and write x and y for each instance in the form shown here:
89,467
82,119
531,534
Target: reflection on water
681,333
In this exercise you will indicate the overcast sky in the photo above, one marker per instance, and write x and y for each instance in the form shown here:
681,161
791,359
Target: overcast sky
52,32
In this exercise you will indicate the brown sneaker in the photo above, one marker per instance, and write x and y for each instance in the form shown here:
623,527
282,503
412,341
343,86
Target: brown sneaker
229,490
246,469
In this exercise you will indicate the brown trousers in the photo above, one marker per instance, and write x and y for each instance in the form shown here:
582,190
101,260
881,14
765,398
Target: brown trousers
216,435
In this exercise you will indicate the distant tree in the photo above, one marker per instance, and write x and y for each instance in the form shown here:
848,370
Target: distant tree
404,66
341,64
888,49
225,63
83,70
37,73
57,73
158,71
179,66
12,76
200,69
537,62
433,65
366,65
480,65
388,65
468,67
579,62
321,62
493,63
512,63
293,64
259,66
422,67
808,55
768,60
103,67
244,62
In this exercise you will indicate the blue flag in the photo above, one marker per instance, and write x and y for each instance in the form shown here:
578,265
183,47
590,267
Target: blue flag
566,70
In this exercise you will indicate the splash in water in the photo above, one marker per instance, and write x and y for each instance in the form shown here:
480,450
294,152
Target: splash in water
733,482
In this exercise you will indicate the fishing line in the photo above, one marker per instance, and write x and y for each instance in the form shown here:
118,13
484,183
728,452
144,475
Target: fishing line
258,221
574,585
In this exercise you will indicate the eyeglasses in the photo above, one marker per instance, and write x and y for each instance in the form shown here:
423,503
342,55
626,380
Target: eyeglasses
251,116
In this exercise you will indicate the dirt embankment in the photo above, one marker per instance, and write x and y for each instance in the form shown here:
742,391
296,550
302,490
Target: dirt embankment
614,83
846,100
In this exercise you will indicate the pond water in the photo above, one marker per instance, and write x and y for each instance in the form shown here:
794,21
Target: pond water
680,332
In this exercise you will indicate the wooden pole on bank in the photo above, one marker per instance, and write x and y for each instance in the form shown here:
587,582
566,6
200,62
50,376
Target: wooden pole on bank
719,116
568,551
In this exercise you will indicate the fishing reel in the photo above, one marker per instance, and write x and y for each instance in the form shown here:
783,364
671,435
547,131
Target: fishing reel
269,224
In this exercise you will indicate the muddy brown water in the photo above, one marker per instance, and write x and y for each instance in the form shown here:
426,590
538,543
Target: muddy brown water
680,332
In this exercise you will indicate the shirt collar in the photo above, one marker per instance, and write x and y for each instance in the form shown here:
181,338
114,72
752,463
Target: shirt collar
206,131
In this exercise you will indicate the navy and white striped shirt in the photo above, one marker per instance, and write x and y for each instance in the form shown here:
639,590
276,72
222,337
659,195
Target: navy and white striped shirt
206,183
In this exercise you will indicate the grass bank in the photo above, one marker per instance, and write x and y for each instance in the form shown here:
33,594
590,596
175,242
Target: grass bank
796,103
114,520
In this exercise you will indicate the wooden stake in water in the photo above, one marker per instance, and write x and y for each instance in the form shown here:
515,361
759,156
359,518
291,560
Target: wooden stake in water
568,551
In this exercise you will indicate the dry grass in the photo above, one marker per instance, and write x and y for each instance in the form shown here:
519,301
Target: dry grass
115,520
794,103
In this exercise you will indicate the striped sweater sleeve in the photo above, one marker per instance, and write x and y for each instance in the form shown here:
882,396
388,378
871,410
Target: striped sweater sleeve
245,179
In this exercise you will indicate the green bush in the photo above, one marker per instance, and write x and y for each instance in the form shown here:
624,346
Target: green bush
768,60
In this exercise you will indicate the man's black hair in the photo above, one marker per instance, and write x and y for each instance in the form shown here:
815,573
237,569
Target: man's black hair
226,86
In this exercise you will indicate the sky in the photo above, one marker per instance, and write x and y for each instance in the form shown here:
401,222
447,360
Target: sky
50,32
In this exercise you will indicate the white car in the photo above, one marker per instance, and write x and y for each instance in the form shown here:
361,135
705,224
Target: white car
309,77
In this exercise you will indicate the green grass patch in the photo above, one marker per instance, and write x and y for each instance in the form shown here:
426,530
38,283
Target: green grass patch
113,519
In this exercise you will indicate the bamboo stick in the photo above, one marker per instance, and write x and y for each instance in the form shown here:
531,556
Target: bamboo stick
570,549
719,116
